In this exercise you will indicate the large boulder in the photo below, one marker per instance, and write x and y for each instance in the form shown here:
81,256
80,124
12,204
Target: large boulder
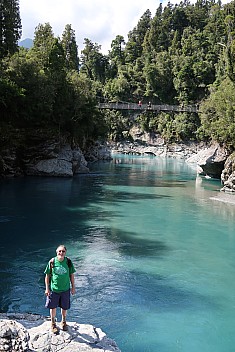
13,336
32,333
211,160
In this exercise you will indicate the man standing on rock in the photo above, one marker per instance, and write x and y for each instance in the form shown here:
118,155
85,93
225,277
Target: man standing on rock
59,274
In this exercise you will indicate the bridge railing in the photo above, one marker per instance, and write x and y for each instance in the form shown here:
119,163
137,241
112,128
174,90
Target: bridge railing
163,107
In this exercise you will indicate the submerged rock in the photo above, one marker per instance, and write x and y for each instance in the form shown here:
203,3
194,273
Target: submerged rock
28,332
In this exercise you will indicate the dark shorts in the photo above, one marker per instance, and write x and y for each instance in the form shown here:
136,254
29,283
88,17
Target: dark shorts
61,300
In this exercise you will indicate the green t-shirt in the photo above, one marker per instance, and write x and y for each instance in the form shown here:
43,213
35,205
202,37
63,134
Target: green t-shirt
60,275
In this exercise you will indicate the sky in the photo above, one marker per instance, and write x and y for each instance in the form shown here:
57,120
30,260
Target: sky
98,20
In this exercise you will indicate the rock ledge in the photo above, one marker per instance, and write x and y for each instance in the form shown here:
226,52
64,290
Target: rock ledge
31,333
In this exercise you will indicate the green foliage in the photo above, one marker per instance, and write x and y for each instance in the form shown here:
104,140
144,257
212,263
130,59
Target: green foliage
217,114
174,127
118,88
70,48
159,78
10,27
10,97
184,54
93,63
85,119
43,43
134,47
116,124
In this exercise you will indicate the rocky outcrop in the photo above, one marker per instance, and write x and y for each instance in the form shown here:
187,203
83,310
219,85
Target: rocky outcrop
211,160
41,155
97,151
159,148
49,157
13,336
228,174
26,332
64,162
141,143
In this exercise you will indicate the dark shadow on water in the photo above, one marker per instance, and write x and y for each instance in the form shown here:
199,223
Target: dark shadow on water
117,196
129,244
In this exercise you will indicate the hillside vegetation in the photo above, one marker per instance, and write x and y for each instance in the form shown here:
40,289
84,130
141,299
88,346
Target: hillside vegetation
182,54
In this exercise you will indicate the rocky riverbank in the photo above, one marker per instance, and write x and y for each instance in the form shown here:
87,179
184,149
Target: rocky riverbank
31,333
210,159
44,156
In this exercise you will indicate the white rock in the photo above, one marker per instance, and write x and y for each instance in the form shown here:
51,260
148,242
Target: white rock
39,338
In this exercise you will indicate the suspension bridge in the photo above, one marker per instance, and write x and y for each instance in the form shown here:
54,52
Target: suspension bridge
148,107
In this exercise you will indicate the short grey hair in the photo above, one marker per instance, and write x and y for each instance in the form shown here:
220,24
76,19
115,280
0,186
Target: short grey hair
61,245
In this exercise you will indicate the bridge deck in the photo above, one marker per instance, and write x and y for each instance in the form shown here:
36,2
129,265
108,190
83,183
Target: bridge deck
143,107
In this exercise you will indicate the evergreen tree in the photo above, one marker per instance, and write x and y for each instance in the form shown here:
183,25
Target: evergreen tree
42,45
117,50
116,55
151,42
70,48
10,27
93,62
134,45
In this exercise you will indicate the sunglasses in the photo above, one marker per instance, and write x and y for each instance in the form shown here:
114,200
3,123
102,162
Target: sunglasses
61,251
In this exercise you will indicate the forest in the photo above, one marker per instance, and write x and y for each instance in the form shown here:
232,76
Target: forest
182,54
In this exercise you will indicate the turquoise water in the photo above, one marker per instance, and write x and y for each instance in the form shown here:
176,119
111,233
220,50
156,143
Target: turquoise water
155,254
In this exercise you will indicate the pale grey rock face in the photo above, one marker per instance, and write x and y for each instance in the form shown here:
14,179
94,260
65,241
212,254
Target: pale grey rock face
79,337
13,336
51,167
65,163
228,174
212,160
32,333
45,158
159,148
98,151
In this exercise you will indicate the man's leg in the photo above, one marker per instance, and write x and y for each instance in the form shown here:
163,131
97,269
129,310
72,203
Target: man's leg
52,301
53,315
63,322
65,305
53,322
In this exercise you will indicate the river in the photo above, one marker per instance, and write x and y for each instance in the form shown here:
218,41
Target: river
153,249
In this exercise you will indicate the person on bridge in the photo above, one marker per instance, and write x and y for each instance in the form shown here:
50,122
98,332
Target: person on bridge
140,103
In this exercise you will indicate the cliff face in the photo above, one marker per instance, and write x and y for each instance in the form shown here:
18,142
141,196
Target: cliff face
46,159
31,333
40,155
